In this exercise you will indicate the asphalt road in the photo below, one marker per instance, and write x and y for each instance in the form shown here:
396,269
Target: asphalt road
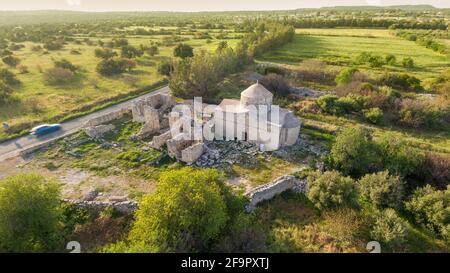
13,147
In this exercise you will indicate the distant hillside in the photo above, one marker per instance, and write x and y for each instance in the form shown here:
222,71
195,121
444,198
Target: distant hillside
399,7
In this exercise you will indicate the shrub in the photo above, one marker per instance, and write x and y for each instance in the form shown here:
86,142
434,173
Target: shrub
11,60
431,209
183,51
408,62
54,45
275,83
130,52
329,104
185,213
30,218
165,68
345,76
152,50
8,77
351,103
416,114
373,115
402,82
331,190
435,170
391,59
115,66
353,152
5,92
273,70
66,64
397,156
105,53
389,229
382,189
58,76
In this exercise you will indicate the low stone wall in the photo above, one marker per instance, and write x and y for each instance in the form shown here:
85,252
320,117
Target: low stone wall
159,141
107,118
126,207
192,153
270,190
99,130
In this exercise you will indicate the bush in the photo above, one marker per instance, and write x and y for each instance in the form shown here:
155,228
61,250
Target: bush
345,76
402,82
57,75
11,60
152,51
105,53
418,114
382,189
275,83
185,213
5,92
431,209
351,103
331,190
353,152
183,51
54,45
66,64
408,62
131,52
391,59
115,66
373,115
389,229
329,104
435,170
397,156
8,77
165,68
30,218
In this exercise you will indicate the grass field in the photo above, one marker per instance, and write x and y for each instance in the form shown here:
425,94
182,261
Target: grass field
339,47
35,101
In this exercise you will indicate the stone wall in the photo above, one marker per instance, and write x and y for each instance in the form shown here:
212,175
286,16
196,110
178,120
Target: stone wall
107,118
270,190
126,207
192,153
159,141
99,130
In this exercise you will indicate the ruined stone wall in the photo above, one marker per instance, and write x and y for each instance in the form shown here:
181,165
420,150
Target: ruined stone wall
192,153
159,141
279,185
107,118
126,207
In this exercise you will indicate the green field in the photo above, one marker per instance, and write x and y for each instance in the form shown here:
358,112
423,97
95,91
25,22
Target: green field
36,101
339,47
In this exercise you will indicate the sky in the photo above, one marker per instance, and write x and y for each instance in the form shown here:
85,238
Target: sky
198,5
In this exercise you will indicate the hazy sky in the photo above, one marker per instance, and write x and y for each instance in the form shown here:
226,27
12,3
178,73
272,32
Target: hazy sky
197,5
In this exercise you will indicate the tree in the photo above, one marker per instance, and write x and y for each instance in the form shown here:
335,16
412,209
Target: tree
277,84
66,64
165,68
183,51
58,75
331,190
431,209
353,152
389,229
408,62
382,189
105,53
130,52
185,213
152,50
391,59
115,66
11,60
30,214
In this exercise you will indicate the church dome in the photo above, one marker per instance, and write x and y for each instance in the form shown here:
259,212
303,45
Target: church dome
256,94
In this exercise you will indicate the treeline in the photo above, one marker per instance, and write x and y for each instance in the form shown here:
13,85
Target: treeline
200,74
423,39
368,23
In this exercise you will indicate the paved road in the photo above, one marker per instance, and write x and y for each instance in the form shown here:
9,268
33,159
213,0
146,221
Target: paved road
13,147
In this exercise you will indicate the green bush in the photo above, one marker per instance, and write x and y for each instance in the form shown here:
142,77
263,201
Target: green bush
329,104
403,82
389,229
30,214
5,93
353,152
183,51
66,64
373,115
397,156
431,209
331,190
186,212
8,77
351,103
408,62
382,189
345,76
58,75
391,59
